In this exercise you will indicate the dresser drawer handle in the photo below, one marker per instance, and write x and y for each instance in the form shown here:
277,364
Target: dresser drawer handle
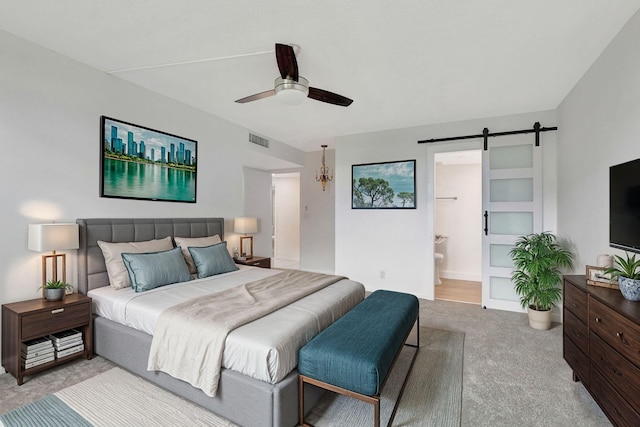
619,335
598,320
574,304
56,311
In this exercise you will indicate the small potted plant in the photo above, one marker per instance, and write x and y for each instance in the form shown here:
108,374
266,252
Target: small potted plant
54,290
627,270
537,259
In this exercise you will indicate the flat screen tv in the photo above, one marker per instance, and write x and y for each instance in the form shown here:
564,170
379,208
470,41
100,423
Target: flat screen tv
624,206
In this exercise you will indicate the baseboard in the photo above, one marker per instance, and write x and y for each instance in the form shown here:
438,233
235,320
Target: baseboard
460,275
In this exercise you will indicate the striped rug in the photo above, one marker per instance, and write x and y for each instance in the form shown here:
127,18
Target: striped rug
433,397
113,398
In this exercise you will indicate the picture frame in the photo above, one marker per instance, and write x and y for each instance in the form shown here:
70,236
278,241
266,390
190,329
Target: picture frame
596,277
384,185
137,162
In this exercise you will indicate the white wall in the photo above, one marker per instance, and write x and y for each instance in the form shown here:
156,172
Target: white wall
317,216
287,216
460,220
599,126
257,203
50,108
400,242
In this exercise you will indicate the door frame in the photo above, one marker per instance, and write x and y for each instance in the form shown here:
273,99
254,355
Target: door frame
432,149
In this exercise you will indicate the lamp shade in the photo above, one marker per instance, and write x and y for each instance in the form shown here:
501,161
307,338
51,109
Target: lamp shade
53,237
246,225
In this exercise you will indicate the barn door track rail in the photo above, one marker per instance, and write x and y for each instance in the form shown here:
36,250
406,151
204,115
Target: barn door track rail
485,135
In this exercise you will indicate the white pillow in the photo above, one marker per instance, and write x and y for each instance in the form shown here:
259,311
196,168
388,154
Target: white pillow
118,274
194,242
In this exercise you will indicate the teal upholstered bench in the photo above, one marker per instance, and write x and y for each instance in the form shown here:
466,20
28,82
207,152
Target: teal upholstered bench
355,354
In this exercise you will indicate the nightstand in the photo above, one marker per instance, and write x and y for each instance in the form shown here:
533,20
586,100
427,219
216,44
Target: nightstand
27,320
256,261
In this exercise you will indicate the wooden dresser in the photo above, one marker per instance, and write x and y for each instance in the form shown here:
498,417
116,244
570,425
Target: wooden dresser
601,344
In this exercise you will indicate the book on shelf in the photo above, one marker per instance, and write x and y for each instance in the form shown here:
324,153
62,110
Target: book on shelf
36,353
32,364
65,336
67,344
37,358
36,344
69,351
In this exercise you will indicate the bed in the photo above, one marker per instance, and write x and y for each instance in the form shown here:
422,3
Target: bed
269,388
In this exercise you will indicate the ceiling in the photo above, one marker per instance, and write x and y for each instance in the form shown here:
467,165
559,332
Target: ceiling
404,63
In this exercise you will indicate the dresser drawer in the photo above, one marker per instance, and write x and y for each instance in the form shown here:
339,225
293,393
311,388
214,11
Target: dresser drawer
576,301
43,322
618,410
616,330
576,330
577,360
616,369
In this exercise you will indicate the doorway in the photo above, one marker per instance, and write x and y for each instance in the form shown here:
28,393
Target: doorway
285,194
458,226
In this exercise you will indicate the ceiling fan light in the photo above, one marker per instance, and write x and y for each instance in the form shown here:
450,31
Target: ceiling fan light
291,92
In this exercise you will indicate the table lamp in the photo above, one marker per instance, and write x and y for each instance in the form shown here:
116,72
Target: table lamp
53,237
246,225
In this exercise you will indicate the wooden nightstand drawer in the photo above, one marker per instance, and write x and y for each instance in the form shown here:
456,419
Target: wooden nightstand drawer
41,323
256,261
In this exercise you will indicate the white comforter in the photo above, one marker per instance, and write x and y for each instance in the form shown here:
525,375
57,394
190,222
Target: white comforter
265,349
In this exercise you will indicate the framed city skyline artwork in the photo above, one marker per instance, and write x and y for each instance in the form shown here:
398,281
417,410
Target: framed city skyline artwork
146,164
387,185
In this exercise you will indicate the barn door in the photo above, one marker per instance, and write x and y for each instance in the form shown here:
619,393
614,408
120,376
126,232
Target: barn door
512,207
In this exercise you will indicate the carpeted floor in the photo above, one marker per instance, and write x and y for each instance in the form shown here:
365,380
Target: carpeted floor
433,396
512,374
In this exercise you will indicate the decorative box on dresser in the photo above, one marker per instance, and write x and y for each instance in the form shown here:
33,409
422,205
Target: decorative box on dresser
601,344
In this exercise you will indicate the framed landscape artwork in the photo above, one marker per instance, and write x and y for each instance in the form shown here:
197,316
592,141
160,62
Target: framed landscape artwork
388,185
146,164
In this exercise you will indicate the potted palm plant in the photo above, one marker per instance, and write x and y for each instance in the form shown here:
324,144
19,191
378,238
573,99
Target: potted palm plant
627,270
537,259
54,290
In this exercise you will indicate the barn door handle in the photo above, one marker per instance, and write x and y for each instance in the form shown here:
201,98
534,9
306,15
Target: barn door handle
486,223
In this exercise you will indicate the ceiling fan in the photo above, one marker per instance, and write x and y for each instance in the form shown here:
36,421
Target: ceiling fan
292,88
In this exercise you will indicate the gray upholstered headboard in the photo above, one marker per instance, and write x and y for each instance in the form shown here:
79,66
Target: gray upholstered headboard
92,272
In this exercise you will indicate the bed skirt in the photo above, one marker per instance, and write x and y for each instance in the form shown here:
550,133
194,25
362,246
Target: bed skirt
272,405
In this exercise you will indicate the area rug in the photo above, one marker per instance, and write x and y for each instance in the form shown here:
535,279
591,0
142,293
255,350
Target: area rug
113,398
432,397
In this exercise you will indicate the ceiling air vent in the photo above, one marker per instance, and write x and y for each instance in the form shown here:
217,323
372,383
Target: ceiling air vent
258,140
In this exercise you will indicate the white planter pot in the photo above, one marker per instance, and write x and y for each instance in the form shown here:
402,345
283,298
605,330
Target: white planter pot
540,320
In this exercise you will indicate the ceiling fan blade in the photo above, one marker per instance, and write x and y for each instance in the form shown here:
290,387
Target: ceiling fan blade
257,96
287,63
329,97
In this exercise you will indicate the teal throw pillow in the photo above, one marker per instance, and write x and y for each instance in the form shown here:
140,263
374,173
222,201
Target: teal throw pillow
212,260
154,269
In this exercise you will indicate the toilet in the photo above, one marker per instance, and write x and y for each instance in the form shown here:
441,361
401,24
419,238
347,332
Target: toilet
438,257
